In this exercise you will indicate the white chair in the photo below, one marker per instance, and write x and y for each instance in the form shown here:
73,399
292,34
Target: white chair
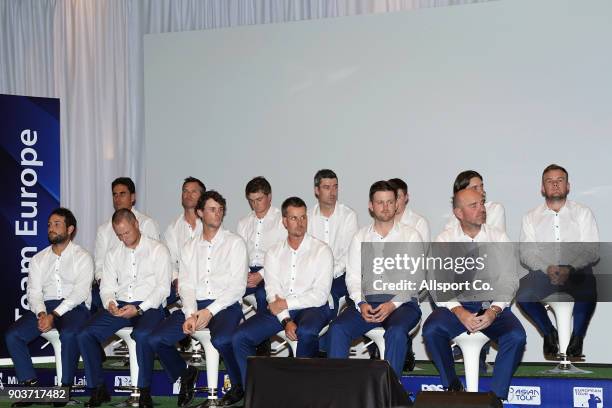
212,363
470,345
563,315
125,334
52,336
292,343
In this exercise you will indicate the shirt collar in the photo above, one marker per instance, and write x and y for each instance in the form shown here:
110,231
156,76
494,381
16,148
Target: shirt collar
304,245
217,239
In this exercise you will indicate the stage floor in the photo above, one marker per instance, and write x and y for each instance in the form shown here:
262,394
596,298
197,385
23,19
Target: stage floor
531,386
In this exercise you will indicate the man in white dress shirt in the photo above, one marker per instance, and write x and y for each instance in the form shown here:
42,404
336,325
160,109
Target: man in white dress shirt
404,214
135,282
59,295
452,318
335,224
299,273
559,221
212,279
496,215
124,196
184,228
397,317
260,229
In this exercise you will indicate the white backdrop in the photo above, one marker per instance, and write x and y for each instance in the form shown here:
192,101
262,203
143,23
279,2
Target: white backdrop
420,95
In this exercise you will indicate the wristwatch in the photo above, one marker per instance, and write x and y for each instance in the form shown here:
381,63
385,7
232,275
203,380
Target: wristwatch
139,311
286,321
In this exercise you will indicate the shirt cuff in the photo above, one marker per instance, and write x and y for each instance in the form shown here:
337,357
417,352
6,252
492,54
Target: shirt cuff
283,315
397,304
501,305
39,308
449,305
62,308
214,308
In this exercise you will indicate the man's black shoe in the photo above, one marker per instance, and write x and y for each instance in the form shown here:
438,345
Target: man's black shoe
574,349
188,382
145,400
456,385
234,395
264,349
551,343
99,395
29,383
410,362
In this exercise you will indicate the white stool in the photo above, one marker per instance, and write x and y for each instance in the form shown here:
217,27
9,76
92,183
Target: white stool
292,343
125,334
470,345
563,315
52,336
212,363
377,336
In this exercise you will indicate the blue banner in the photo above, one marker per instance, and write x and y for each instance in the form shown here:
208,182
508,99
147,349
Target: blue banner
30,168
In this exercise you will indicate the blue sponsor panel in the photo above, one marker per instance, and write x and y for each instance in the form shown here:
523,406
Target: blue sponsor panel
30,168
535,391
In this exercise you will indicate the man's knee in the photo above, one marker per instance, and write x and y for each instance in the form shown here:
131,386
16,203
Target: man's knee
396,334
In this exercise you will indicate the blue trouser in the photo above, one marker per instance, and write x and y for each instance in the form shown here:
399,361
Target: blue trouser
255,330
338,289
259,291
351,325
24,330
103,325
537,285
442,326
222,326
96,301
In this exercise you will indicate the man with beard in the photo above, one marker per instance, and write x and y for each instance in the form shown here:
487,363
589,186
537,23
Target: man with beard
212,279
184,228
335,224
124,196
397,317
299,273
559,220
452,318
135,282
59,295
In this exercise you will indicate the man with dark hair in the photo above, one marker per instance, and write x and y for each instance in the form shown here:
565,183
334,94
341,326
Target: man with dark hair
404,214
452,318
184,228
335,224
135,282
124,196
260,229
212,279
299,274
471,179
559,220
397,317
58,295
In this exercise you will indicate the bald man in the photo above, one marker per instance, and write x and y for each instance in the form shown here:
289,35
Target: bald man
452,318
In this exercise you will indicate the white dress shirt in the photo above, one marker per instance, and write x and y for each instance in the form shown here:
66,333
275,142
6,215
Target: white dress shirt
261,234
106,239
399,233
303,277
416,221
496,217
67,276
140,274
176,236
213,270
573,223
487,233
336,231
